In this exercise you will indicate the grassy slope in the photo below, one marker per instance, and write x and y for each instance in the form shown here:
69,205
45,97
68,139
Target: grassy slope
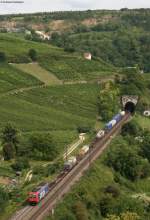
11,78
76,67
14,46
54,108
40,73
65,66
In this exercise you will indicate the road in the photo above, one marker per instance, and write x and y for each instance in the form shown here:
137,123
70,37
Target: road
63,186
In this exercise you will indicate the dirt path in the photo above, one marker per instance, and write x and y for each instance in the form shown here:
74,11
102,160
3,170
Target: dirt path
21,90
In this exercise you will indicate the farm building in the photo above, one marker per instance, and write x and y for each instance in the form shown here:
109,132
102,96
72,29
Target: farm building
43,35
88,56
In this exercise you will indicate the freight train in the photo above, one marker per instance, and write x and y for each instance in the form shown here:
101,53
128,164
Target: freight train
41,191
38,193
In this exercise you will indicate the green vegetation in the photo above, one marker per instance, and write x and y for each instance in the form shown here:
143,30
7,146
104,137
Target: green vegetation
51,108
3,198
74,67
15,53
40,73
107,96
108,193
12,78
44,120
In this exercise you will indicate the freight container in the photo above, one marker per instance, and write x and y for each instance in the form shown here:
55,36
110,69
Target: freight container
100,134
117,117
70,163
83,150
122,113
110,125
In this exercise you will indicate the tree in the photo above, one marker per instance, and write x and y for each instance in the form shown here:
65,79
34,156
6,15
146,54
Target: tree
113,190
2,57
131,128
10,135
80,211
8,151
3,198
107,96
145,147
33,54
20,164
126,161
106,205
43,147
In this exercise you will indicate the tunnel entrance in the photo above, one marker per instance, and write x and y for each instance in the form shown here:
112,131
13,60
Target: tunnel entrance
130,107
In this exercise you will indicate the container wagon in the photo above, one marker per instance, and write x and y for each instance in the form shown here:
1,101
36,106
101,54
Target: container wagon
38,193
110,125
83,151
70,163
117,117
122,113
100,134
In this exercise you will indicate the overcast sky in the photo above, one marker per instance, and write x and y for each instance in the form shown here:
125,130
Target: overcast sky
59,5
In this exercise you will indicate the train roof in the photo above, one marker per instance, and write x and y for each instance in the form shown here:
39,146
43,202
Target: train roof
39,187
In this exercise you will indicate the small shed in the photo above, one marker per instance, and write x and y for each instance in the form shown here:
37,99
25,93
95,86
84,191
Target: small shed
88,56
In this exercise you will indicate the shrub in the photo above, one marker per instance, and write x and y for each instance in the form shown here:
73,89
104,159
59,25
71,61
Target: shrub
2,57
3,198
33,54
20,164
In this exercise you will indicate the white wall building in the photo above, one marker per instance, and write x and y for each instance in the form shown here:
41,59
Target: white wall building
88,56
43,35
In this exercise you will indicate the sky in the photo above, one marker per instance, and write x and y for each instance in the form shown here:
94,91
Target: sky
14,6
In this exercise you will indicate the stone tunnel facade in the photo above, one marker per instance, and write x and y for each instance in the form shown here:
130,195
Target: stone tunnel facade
129,102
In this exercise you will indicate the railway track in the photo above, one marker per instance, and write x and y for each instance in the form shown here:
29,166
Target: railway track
66,180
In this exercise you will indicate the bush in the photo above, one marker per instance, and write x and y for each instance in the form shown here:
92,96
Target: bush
83,129
3,198
113,190
33,54
128,163
42,147
20,164
2,57
8,151
80,211
131,128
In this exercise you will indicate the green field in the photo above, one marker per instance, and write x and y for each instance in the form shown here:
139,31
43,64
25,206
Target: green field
144,122
53,108
16,48
40,73
12,78
76,68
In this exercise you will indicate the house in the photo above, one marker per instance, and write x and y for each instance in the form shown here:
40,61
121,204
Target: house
42,35
88,56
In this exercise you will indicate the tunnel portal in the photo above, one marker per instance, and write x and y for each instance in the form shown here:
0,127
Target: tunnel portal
130,107
129,103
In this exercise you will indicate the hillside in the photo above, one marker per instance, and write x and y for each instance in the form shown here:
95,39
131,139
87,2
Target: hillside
118,37
49,94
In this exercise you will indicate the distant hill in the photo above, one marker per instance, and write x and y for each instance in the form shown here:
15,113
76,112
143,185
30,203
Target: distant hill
118,37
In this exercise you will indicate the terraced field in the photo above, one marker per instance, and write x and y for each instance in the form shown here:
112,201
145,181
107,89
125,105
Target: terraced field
12,78
17,48
76,67
40,73
53,108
